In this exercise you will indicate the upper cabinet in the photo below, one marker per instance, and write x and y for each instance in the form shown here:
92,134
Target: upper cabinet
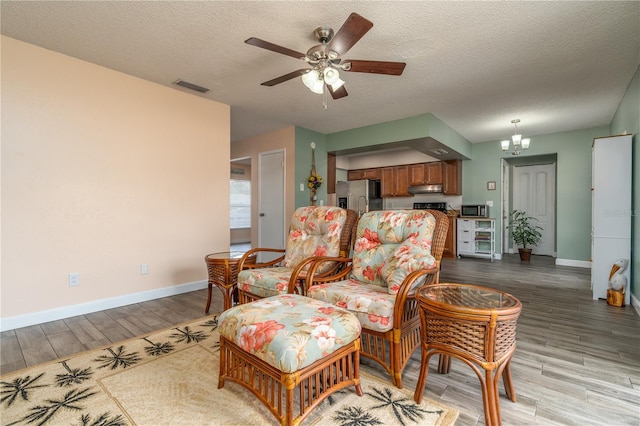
395,181
417,175
452,177
433,171
426,173
363,174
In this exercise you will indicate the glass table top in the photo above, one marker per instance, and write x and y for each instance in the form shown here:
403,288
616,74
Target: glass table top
226,255
467,296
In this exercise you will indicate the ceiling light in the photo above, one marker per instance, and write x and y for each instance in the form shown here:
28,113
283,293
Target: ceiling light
310,77
323,74
331,76
516,138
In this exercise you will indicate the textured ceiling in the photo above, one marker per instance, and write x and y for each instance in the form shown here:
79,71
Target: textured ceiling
557,66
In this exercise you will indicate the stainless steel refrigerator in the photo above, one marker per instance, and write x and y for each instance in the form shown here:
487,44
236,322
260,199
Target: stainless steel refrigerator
359,195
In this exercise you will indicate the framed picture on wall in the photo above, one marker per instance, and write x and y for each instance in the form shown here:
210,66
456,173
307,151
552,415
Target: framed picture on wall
491,185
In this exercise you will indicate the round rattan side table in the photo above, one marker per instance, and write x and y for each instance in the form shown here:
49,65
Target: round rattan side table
476,325
223,273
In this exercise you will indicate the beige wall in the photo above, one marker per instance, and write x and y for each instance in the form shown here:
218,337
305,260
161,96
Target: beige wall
284,139
102,172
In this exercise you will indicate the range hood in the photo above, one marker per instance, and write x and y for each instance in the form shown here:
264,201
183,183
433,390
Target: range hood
425,189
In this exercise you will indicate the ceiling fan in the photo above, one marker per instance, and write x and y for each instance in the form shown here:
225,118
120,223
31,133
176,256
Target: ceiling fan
325,60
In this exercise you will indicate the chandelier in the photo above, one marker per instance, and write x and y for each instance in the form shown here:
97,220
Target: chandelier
518,141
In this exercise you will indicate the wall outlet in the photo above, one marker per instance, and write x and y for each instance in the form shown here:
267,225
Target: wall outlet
74,279
144,269
490,203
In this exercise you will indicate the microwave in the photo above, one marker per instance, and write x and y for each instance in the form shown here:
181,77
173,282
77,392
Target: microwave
474,210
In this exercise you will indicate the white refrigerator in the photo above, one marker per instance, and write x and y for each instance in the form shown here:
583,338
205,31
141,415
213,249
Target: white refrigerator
611,210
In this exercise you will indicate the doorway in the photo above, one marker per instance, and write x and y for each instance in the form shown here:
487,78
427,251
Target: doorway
271,209
530,186
240,204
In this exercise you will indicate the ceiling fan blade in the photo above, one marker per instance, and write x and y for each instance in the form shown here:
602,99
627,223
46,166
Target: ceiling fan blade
285,77
376,67
341,92
351,31
274,47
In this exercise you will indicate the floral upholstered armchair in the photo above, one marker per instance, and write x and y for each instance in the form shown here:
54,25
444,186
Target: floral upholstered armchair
314,231
394,253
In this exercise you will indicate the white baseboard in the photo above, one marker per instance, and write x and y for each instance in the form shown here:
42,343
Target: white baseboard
98,305
572,262
635,303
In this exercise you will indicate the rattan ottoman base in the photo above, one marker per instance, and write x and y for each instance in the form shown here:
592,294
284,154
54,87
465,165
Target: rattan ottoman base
308,386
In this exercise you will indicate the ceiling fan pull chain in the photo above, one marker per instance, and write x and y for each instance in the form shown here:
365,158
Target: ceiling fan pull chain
325,102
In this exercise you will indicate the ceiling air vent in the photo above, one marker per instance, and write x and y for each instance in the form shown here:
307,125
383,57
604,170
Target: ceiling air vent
186,84
439,151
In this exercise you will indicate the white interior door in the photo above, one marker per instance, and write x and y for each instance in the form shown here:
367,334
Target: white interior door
534,192
271,200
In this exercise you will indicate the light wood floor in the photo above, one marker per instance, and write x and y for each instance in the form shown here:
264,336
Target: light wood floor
577,360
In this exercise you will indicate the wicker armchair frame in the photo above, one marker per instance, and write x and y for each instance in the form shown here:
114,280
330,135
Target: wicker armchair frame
247,261
392,349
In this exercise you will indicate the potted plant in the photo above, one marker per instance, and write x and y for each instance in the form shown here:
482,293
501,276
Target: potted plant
524,233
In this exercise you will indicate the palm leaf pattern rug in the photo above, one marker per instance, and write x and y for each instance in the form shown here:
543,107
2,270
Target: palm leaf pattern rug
170,377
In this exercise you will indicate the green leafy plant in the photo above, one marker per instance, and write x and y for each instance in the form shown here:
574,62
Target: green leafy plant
523,230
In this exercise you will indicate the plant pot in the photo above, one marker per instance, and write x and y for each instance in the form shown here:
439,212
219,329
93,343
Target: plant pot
525,254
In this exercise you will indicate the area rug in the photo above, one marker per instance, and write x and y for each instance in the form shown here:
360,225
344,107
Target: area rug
170,377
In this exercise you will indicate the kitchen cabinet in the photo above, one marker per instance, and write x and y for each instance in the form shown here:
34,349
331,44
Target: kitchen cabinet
425,173
450,241
433,172
359,174
395,181
452,177
476,237
417,174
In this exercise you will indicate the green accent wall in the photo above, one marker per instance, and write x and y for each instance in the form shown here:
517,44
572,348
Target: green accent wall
573,185
627,118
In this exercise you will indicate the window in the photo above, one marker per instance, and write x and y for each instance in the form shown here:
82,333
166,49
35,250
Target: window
240,204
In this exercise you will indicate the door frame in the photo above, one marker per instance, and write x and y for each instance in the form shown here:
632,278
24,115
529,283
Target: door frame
507,193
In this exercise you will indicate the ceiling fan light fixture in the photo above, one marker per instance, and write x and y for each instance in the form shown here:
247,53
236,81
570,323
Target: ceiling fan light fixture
338,84
525,143
331,76
505,144
317,87
310,78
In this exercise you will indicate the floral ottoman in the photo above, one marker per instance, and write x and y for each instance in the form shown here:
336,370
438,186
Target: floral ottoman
290,347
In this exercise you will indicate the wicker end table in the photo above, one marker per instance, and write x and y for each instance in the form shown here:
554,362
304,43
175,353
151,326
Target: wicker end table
223,273
476,325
